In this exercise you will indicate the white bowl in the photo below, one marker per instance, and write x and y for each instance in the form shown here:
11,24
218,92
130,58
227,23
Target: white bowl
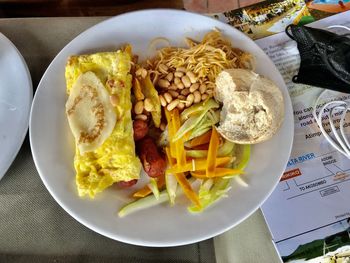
16,95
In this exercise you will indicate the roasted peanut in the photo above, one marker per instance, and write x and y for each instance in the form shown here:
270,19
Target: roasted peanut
141,117
173,93
172,86
182,69
189,99
170,76
141,72
163,83
167,97
185,92
202,88
162,100
177,80
192,76
181,97
194,87
178,74
172,105
204,96
180,85
197,96
148,104
144,73
138,108
186,81
138,72
181,106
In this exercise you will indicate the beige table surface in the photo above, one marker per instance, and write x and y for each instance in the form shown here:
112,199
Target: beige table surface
39,40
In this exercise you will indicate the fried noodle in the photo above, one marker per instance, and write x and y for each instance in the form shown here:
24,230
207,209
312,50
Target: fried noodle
206,58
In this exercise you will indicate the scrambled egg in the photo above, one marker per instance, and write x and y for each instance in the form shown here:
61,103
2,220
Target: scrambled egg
114,159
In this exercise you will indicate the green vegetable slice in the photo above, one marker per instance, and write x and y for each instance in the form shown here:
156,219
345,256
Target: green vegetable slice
143,203
208,197
194,116
154,187
242,152
207,122
171,186
199,108
148,201
223,151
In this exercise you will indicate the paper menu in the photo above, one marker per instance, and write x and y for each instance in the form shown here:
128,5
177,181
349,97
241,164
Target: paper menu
315,189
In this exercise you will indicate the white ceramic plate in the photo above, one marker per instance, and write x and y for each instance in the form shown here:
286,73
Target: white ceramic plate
16,94
53,151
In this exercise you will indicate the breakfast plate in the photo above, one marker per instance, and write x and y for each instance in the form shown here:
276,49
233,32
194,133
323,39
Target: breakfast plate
159,226
15,101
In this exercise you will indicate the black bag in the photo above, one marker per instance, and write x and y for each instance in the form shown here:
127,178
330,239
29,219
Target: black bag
324,58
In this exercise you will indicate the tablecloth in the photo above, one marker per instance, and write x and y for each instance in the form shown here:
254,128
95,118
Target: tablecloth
34,228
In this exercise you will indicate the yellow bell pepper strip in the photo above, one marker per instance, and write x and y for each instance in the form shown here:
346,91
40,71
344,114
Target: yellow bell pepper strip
202,139
180,151
186,187
146,190
136,87
198,165
151,93
212,153
218,172
181,179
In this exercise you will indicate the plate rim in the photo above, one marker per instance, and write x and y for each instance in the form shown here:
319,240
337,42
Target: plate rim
123,238
25,125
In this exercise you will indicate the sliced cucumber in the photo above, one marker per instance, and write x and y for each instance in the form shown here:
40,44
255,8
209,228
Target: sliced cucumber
143,203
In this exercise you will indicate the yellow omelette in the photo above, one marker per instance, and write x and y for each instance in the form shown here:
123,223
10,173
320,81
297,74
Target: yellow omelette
98,109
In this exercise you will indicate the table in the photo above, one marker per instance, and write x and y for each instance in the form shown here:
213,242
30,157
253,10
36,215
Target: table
51,8
31,239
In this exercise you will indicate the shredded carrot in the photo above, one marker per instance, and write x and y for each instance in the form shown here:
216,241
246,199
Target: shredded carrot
200,140
197,165
146,190
218,172
181,179
186,187
212,153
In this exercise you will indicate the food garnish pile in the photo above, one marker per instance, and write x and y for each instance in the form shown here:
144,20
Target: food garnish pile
187,117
